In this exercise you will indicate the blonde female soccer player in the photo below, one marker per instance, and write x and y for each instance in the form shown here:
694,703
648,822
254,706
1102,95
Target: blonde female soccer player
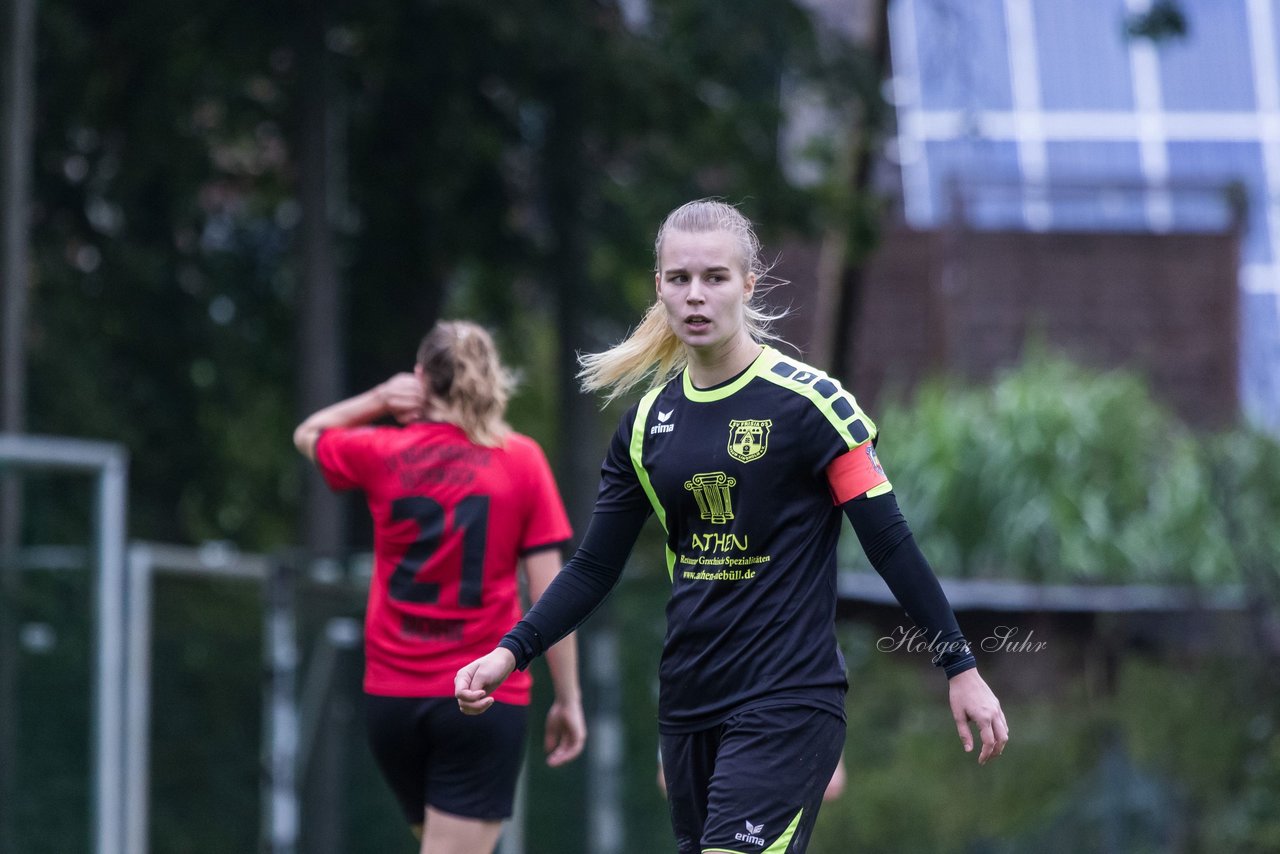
749,459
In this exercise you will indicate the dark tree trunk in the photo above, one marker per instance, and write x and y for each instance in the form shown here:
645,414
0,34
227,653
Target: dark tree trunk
18,56
321,346
848,286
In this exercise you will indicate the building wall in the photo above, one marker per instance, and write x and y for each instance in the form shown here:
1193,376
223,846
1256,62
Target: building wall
1054,116
968,303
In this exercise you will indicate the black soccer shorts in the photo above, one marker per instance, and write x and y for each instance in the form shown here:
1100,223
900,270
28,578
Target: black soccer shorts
753,783
431,754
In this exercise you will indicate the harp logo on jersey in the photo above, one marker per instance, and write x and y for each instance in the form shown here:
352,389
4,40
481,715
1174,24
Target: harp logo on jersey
712,492
748,440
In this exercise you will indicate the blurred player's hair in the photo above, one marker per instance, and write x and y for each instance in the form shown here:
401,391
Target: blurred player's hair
462,368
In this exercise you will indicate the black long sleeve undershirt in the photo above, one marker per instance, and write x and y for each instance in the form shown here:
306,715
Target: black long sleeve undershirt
587,578
580,587
890,547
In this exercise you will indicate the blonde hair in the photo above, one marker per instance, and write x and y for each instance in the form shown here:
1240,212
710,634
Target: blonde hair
461,367
652,348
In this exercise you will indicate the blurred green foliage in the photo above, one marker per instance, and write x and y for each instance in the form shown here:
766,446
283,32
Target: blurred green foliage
488,161
1056,473
52,766
1180,754
205,719
164,297
1180,757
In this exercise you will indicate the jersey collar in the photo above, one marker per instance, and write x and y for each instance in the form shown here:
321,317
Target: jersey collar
767,357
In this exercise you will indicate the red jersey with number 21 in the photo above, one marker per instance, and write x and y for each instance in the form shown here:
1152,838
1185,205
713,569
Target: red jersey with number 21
450,521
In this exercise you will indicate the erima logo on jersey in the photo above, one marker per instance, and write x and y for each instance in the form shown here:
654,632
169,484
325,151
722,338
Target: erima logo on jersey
752,836
663,427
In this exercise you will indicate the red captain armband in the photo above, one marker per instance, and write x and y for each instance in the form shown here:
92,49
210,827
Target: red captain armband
854,473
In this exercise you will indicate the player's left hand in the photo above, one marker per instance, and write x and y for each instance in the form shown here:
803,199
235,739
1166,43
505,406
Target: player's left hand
566,733
973,701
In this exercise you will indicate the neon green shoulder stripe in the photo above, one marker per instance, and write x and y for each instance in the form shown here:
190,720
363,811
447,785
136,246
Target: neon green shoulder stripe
825,392
637,462
809,382
637,453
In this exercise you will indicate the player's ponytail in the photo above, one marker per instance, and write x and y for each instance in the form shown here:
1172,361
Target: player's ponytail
461,367
652,349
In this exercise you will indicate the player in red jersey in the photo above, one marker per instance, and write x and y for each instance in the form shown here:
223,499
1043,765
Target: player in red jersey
459,502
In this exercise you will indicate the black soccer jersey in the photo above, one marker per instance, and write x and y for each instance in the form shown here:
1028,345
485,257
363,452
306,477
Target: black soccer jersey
737,475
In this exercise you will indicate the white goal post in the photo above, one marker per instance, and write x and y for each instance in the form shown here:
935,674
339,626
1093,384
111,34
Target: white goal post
123,574
108,464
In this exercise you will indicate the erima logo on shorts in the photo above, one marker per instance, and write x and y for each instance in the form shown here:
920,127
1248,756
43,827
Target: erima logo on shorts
752,836
663,427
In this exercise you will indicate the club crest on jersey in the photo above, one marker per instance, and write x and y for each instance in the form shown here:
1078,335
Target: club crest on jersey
748,440
712,492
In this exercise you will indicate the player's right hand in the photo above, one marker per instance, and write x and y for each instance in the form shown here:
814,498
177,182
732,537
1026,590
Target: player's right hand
475,683
404,398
